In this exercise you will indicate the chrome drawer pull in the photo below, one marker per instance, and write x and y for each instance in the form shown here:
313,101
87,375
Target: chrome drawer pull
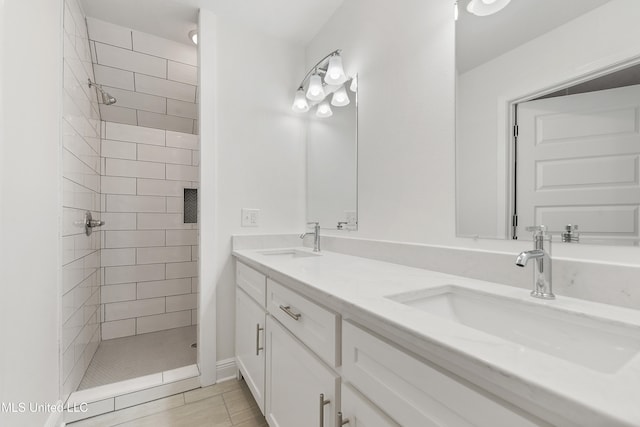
323,403
258,348
287,309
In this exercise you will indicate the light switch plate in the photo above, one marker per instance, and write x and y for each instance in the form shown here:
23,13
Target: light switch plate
250,217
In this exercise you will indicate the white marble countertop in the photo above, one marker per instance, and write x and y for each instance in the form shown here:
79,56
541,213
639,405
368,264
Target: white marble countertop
571,394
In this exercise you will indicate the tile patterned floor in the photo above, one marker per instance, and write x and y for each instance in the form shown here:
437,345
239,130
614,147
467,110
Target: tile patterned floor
227,404
121,359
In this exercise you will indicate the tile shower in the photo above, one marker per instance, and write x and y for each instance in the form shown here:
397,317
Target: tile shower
128,164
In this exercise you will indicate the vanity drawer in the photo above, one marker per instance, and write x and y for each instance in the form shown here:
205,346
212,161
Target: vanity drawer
415,393
315,326
252,282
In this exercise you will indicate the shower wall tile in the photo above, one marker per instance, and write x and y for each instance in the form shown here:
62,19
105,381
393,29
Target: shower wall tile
148,250
182,109
138,100
80,192
113,77
108,33
126,59
166,88
183,173
164,121
119,114
157,46
184,73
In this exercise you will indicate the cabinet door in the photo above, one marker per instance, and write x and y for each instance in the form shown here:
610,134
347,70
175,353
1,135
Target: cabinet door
250,354
357,411
296,379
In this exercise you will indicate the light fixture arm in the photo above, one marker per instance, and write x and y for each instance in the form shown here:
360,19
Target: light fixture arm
316,68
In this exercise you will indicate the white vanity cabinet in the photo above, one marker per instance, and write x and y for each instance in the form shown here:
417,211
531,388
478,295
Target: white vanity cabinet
250,329
357,411
301,390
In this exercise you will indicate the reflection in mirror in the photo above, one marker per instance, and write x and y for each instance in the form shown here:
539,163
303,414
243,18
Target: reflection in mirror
547,127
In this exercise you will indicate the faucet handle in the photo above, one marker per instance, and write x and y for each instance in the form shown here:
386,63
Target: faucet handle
537,228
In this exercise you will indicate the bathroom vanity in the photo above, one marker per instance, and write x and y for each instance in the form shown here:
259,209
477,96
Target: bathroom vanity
330,339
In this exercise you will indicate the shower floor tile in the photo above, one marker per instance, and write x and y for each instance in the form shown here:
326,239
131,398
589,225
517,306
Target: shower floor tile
121,359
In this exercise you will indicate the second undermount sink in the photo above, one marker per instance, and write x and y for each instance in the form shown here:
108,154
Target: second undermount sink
592,342
288,253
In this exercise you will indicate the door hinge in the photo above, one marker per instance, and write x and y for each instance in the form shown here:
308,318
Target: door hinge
515,131
514,221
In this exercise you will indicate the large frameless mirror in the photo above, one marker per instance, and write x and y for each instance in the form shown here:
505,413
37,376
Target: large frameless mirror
548,122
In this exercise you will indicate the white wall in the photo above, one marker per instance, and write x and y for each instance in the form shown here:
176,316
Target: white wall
404,57
30,206
598,39
258,156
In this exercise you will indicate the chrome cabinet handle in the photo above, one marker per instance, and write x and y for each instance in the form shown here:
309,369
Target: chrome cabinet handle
258,348
287,309
340,421
323,403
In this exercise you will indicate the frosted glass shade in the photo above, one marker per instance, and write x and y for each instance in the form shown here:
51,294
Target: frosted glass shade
340,98
486,7
324,110
335,73
354,84
300,104
315,92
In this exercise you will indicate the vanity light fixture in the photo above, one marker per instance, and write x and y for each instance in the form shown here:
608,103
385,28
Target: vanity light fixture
335,73
340,98
486,7
315,92
193,36
324,110
354,84
300,104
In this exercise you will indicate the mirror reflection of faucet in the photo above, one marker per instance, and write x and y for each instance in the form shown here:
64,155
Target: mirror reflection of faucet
542,256
341,224
570,234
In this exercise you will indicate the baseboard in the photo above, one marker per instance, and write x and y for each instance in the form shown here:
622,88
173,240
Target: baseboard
55,419
226,369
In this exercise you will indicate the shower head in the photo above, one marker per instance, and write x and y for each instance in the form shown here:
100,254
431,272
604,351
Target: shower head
107,99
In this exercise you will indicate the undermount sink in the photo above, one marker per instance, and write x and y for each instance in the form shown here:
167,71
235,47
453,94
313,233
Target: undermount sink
595,343
288,253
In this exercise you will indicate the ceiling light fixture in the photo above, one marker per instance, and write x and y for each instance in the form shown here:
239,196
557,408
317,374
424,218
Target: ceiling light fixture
324,110
315,92
335,73
486,7
340,98
300,104
193,36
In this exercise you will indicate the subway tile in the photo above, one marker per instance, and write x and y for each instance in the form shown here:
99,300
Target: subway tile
183,140
164,254
151,221
138,101
78,197
120,203
157,46
134,273
118,149
163,321
165,122
77,171
182,237
113,257
183,173
117,293
154,153
117,185
180,270
113,77
114,113
118,329
118,221
134,239
156,187
194,317
167,88
143,135
195,285
135,169
106,32
175,205
195,253
182,302
182,109
132,61
195,158
164,288
129,309
182,73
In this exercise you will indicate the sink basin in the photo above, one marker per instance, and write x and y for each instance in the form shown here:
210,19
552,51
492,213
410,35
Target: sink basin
595,343
288,253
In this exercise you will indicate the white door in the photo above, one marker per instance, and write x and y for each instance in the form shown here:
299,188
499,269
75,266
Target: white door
578,164
359,412
295,380
250,339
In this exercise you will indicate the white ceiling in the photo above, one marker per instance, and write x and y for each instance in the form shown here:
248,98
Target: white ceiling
479,39
297,21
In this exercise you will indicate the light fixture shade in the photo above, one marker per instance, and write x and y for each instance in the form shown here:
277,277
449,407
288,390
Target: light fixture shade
324,110
340,98
335,73
193,36
354,84
300,104
486,7
315,92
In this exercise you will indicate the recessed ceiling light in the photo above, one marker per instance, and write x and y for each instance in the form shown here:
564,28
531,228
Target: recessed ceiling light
193,36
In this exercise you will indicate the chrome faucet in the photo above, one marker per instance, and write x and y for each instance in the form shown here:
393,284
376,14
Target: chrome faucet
542,272
316,235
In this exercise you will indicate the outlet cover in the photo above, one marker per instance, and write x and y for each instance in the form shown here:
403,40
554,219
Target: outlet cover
250,217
